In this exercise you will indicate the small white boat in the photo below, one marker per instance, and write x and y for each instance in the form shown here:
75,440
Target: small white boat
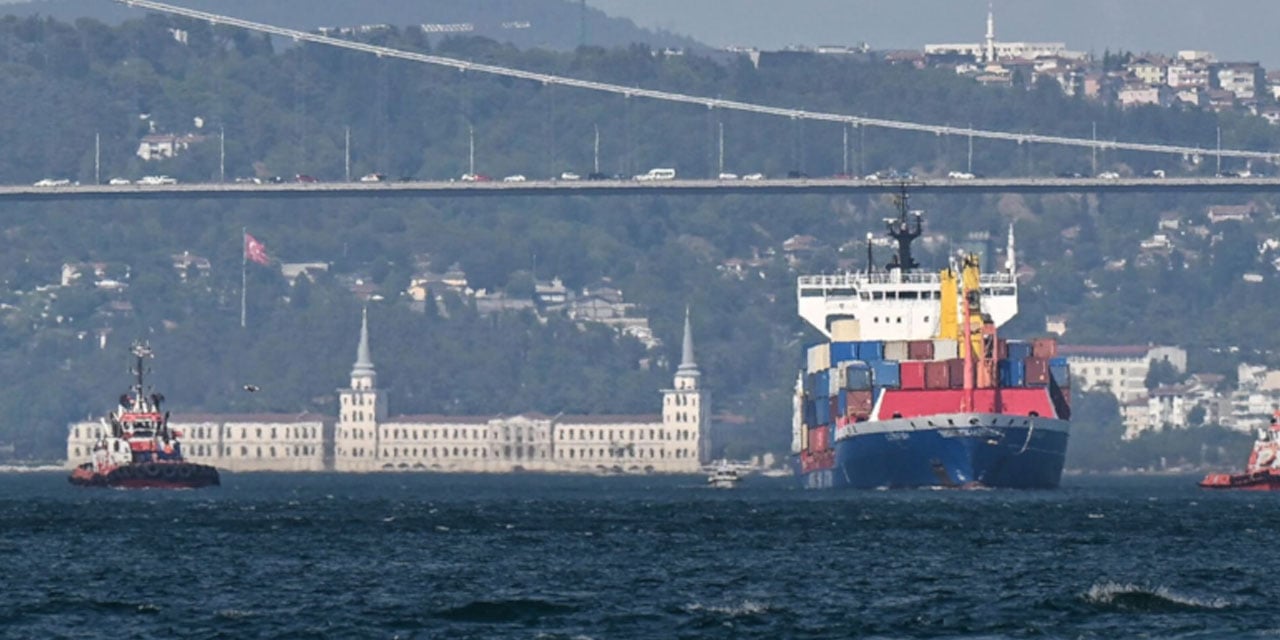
723,477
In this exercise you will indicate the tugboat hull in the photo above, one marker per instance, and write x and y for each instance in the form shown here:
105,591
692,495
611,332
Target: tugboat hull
1264,480
148,475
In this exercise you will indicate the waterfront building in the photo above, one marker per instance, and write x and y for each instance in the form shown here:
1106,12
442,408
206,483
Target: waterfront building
675,441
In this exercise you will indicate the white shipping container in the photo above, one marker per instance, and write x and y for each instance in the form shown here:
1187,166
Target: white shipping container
819,357
946,350
846,330
896,350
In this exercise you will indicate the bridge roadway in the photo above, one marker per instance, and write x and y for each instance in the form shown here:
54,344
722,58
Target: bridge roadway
455,189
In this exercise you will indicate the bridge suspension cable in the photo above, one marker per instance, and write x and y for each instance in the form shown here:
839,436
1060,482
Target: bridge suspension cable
710,103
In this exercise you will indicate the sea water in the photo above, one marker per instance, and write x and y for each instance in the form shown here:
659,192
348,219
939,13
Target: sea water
530,556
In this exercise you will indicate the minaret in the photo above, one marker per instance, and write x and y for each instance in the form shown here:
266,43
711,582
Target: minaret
688,368
360,409
991,33
685,412
1010,258
363,375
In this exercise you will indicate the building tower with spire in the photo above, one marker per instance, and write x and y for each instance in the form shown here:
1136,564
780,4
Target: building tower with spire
360,409
685,410
990,44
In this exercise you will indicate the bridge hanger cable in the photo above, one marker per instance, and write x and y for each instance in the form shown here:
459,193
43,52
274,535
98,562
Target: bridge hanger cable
710,103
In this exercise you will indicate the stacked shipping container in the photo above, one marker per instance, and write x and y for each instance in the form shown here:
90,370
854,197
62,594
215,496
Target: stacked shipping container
846,379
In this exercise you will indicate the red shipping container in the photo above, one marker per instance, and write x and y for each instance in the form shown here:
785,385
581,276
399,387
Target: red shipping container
937,375
833,404
819,439
1044,348
920,349
912,374
955,371
1037,371
859,403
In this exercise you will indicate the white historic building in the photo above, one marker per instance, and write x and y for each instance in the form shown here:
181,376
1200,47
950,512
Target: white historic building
676,441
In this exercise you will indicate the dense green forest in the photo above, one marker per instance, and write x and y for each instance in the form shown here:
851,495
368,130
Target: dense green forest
285,110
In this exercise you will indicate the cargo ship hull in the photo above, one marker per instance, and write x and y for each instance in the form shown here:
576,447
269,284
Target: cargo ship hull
967,450
148,475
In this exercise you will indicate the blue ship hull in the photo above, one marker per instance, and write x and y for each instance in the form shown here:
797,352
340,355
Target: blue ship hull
1027,454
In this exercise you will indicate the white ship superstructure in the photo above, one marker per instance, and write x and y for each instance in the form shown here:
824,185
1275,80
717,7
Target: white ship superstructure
901,302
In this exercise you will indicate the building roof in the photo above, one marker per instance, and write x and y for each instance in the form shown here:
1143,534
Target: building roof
233,418
1103,351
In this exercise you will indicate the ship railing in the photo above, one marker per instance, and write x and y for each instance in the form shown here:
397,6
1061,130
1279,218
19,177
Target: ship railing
885,277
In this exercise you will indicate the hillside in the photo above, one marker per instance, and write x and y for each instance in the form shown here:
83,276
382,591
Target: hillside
549,24
286,111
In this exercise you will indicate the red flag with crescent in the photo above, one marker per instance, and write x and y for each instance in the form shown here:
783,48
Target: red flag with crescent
255,251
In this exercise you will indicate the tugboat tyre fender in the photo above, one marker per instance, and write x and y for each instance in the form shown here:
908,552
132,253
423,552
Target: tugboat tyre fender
168,472
184,471
152,471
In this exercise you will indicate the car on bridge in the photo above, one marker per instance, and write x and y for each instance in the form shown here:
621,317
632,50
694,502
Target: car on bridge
728,176
1109,175
960,175
157,180
373,177
514,178
475,177
116,182
570,176
657,174
753,176
53,182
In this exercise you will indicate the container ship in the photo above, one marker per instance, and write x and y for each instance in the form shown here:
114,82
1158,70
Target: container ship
913,386
135,448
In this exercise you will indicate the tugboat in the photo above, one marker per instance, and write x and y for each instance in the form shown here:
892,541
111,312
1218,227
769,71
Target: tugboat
136,448
1263,470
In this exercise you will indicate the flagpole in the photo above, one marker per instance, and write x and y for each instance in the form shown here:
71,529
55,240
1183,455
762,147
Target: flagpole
244,270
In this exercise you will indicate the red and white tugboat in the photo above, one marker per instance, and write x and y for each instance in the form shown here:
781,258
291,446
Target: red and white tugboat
137,449
1263,471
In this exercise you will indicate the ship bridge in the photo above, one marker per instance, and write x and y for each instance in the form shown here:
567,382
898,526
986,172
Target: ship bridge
895,305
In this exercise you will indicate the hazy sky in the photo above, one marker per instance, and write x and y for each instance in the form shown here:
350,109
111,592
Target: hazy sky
1244,30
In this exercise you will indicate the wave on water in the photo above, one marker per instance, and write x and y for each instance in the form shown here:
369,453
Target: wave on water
517,610
744,608
21,468
1130,597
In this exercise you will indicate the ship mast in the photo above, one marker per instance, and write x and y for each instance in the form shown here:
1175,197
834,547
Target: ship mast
903,231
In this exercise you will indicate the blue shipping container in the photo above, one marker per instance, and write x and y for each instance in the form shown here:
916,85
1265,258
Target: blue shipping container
1060,371
1013,373
858,376
884,373
810,414
842,403
841,351
871,350
821,384
822,408
1019,350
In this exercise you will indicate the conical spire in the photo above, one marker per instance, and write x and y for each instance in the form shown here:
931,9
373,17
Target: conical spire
364,365
687,365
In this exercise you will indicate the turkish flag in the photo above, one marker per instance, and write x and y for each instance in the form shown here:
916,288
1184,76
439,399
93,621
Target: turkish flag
254,250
